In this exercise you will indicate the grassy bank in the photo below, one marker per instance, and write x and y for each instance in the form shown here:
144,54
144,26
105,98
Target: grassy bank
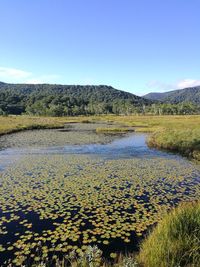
11,124
175,241
176,133
185,141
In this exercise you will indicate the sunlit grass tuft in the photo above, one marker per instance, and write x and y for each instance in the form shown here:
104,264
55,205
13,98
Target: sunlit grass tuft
185,141
176,239
114,130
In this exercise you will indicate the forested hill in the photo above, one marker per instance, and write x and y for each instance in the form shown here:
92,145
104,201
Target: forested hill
58,100
191,94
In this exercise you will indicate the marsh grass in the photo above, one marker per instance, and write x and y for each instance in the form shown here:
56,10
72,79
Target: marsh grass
12,124
152,123
176,239
114,130
176,133
184,141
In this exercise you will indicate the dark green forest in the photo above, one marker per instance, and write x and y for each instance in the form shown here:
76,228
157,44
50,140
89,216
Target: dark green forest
73,100
191,94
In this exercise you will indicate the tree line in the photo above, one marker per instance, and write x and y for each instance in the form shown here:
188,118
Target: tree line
66,100
73,107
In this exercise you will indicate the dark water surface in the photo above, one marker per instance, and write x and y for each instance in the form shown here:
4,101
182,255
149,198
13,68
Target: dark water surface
78,188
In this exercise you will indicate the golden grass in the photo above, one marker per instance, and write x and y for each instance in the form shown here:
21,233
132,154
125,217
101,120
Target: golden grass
175,241
185,140
144,123
10,124
114,130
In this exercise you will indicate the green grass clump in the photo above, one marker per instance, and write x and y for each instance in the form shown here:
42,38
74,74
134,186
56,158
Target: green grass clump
175,241
184,141
114,130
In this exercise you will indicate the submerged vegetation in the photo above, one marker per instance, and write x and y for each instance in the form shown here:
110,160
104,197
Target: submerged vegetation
175,241
58,205
71,134
12,124
78,201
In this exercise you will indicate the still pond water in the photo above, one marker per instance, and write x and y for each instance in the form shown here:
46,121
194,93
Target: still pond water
62,190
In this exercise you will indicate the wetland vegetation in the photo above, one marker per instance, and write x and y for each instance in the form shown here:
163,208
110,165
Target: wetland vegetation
175,241
65,191
176,133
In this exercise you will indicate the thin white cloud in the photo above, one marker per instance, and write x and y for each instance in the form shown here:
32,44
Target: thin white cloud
51,78
158,86
88,80
12,73
187,83
34,81
17,75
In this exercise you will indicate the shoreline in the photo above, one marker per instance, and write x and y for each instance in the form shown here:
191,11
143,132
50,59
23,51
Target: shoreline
178,134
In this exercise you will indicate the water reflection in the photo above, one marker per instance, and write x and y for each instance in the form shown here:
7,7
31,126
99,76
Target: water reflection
129,146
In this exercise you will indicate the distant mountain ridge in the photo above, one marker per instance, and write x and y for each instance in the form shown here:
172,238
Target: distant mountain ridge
83,91
69,99
190,94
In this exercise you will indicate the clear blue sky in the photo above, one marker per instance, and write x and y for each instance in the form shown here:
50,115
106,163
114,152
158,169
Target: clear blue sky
133,45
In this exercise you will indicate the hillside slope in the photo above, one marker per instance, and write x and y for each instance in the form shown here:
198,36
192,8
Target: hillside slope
191,94
40,99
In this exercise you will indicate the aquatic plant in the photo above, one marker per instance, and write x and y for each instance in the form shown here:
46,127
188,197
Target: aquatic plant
58,203
77,200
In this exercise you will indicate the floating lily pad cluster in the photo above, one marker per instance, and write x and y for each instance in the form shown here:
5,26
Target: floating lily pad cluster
67,202
75,133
